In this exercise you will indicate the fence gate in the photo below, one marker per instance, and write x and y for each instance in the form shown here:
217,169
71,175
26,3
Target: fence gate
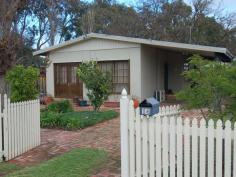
19,127
166,145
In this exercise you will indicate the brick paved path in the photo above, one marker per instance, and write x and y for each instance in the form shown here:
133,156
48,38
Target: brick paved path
55,142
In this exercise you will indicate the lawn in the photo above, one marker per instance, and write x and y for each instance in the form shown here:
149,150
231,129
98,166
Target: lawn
74,120
78,162
6,168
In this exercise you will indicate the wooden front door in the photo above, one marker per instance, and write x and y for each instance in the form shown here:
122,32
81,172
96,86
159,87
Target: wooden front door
67,83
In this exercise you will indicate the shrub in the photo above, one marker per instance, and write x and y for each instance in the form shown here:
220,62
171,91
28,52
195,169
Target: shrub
98,83
211,85
23,83
60,106
74,120
49,119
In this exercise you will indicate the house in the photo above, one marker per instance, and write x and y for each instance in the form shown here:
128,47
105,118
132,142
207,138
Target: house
142,66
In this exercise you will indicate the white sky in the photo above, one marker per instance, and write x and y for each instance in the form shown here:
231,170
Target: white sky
227,5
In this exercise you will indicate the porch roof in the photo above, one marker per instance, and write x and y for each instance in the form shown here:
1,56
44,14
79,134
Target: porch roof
220,51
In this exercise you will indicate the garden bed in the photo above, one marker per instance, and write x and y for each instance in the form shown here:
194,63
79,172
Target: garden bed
61,115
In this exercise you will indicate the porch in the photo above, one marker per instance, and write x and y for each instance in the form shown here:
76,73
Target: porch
161,71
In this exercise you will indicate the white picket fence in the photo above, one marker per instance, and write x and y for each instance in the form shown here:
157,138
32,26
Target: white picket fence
165,145
19,127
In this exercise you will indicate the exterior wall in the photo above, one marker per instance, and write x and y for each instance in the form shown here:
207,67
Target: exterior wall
176,64
99,50
152,70
161,55
149,71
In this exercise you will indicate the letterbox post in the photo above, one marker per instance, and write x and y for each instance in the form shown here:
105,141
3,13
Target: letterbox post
124,113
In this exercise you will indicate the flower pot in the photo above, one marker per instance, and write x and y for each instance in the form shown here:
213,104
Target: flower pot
83,103
136,103
48,100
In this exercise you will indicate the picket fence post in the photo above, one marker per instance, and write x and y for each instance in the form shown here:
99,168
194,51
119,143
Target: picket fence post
124,115
5,125
1,150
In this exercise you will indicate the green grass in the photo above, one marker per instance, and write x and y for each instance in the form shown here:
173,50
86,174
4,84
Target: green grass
6,168
80,120
75,120
77,163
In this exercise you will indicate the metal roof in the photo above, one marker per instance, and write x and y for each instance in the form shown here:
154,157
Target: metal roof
161,44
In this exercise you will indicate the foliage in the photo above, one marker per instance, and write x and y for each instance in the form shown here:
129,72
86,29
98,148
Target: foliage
11,32
84,119
23,83
98,83
74,120
161,20
78,162
49,119
211,85
60,106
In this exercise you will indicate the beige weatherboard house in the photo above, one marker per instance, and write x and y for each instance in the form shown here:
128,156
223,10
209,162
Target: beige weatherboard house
142,66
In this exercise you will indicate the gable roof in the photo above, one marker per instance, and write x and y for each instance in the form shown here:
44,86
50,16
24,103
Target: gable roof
163,44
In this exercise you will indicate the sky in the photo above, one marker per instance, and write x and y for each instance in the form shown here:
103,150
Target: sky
228,5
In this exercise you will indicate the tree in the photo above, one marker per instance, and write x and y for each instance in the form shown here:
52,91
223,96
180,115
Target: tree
98,83
50,18
59,20
210,84
175,20
11,32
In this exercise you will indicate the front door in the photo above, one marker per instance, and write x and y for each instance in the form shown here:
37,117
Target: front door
67,83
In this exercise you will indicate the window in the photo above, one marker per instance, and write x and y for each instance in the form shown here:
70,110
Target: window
186,66
74,74
120,74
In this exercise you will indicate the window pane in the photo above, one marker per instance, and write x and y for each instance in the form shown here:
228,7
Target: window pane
120,80
120,74
73,75
126,80
126,72
118,87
